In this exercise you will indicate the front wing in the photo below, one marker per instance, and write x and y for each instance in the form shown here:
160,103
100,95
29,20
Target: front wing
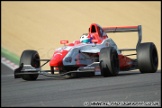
92,69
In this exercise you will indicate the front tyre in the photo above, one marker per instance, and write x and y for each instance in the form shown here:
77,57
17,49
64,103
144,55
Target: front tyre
30,57
109,62
147,57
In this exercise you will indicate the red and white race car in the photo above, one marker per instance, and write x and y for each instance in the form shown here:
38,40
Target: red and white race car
98,57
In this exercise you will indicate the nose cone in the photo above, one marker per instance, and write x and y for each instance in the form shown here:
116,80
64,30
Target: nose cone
56,60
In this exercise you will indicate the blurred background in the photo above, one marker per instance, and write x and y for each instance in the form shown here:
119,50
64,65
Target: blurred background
41,25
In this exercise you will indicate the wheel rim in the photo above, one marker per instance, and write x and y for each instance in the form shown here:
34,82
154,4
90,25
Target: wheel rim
115,62
154,58
35,61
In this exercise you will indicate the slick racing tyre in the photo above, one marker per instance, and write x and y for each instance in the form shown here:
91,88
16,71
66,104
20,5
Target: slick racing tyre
147,57
30,57
109,62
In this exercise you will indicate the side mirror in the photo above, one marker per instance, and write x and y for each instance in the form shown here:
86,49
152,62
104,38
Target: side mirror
64,42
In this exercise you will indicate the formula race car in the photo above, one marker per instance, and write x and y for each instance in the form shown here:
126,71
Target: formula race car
99,57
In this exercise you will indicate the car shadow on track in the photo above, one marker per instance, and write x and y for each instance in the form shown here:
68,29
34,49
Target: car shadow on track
121,74
136,72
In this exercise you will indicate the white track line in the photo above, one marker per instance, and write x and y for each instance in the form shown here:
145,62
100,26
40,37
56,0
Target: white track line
8,63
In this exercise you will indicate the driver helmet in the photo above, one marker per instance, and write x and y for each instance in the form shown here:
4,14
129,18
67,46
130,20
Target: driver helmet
84,39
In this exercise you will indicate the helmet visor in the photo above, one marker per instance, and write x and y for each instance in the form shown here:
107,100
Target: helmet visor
85,41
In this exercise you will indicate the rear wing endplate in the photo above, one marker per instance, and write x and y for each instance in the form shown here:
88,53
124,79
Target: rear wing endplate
126,29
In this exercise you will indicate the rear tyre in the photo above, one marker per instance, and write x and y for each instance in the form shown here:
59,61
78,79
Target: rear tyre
147,57
109,62
30,57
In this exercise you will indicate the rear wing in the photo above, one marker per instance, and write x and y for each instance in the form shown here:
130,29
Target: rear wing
125,29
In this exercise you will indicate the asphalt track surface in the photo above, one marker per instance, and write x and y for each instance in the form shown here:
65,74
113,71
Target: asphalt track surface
46,91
